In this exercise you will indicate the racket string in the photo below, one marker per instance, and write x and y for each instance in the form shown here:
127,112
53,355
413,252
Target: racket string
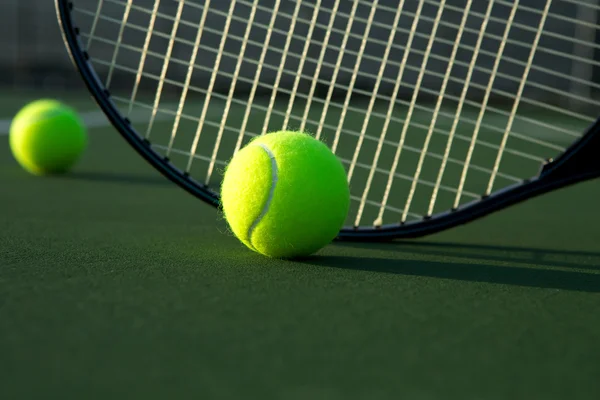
433,73
303,57
421,126
144,53
451,97
382,138
428,105
229,96
364,166
186,86
420,52
355,71
519,95
319,64
256,80
490,127
459,108
350,132
280,69
411,108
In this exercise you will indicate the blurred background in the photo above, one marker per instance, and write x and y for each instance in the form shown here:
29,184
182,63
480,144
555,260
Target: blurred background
33,55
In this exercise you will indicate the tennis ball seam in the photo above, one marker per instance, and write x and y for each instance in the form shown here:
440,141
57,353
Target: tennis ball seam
267,205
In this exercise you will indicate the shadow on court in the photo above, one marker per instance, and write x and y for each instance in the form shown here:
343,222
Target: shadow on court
476,263
548,257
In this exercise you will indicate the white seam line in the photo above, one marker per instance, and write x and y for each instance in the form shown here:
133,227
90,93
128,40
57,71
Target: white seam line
274,177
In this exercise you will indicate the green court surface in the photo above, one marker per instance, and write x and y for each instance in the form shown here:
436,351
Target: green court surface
116,284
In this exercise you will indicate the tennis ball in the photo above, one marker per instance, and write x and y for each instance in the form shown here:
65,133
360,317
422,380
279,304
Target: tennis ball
47,137
285,195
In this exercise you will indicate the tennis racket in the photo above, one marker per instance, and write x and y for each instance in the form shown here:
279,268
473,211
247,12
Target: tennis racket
441,111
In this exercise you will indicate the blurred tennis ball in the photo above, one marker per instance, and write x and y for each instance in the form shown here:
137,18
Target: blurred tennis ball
47,137
285,195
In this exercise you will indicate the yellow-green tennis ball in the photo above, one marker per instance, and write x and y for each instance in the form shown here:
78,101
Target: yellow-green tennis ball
47,137
285,195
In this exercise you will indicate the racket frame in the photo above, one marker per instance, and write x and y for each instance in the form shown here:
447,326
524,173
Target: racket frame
579,162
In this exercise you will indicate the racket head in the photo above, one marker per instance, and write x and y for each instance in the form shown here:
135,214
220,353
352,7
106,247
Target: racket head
462,204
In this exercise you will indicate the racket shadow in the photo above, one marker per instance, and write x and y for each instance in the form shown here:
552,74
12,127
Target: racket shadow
481,264
547,257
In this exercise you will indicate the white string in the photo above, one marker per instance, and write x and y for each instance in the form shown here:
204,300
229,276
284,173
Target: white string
138,76
400,29
336,70
451,97
514,25
256,81
518,98
413,185
362,135
486,98
165,67
118,44
280,70
431,73
303,57
167,112
234,81
363,130
188,79
96,14
357,63
211,85
391,118
580,3
388,186
459,108
349,131
319,65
